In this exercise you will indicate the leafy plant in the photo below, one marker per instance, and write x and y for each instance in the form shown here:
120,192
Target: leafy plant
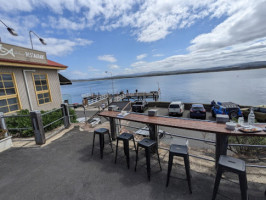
247,140
25,122
20,122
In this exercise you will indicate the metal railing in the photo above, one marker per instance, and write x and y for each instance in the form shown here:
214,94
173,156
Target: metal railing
4,125
36,121
201,140
56,120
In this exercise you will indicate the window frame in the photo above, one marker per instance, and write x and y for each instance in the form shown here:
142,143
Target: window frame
42,91
12,95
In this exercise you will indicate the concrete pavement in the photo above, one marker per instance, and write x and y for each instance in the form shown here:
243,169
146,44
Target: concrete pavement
65,169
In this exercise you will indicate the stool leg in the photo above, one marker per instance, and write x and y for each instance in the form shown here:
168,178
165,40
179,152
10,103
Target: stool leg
110,140
134,144
116,150
187,166
159,159
93,143
101,138
217,182
148,162
243,186
170,163
137,152
126,151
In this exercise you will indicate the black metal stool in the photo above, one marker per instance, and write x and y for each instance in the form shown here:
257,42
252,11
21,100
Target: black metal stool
227,163
148,145
182,151
101,132
125,137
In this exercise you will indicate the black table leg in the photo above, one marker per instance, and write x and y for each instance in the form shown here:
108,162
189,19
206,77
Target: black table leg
153,132
113,128
221,146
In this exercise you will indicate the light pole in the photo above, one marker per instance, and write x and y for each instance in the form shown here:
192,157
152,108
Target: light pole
112,83
41,39
10,30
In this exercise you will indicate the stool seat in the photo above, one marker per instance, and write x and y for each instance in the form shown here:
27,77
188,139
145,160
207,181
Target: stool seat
148,145
182,151
178,149
145,143
232,163
101,131
125,136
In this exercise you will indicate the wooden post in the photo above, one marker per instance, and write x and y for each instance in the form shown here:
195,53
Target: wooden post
37,125
66,115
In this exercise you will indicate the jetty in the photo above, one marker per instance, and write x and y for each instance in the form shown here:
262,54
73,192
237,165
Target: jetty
142,95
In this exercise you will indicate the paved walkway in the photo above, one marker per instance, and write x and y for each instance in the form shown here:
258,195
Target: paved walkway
65,169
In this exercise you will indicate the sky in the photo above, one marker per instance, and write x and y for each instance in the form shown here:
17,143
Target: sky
137,36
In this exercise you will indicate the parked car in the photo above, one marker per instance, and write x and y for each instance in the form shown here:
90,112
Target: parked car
259,111
140,106
226,108
197,111
176,108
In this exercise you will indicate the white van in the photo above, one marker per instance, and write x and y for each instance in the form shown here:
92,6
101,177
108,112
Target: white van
176,108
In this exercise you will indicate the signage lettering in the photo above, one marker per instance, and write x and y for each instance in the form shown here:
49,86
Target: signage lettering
12,52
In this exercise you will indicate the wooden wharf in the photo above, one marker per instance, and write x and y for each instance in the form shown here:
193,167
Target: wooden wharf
142,95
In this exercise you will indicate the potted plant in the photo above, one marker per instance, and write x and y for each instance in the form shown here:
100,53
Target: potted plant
2,134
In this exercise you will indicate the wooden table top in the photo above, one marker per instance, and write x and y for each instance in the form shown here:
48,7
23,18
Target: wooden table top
195,125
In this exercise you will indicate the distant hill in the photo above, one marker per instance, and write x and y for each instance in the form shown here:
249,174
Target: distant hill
241,66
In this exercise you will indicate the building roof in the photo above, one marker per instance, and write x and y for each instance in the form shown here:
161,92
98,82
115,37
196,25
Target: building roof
15,63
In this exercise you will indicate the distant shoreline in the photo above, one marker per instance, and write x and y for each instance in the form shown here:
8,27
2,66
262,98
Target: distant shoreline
245,66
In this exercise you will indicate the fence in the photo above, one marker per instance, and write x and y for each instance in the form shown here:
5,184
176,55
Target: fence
37,124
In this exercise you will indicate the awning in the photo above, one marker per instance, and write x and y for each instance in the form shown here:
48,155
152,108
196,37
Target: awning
63,80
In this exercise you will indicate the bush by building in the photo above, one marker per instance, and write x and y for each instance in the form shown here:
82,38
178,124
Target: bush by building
25,122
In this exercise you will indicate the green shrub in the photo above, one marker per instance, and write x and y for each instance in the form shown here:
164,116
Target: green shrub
25,122
247,140
20,122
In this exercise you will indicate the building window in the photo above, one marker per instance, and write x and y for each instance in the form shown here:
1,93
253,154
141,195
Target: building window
42,88
9,101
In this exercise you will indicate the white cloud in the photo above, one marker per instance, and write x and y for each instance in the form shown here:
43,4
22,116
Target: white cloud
245,25
60,47
64,23
92,69
158,55
107,58
141,56
139,63
113,66
239,53
151,20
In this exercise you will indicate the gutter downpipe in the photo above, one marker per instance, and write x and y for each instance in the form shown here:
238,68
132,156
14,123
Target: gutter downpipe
27,86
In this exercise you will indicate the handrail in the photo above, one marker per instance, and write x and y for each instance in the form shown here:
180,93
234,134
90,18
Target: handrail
51,111
11,116
208,141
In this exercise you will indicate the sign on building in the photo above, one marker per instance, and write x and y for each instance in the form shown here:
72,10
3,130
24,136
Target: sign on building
12,52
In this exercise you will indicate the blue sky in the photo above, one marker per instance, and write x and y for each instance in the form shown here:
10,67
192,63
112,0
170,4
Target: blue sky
136,36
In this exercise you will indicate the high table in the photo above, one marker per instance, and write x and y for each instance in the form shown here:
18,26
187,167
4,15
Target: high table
196,125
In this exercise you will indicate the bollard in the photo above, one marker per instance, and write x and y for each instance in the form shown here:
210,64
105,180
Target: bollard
66,115
37,125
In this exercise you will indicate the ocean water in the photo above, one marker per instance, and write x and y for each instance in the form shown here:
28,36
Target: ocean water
243,87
